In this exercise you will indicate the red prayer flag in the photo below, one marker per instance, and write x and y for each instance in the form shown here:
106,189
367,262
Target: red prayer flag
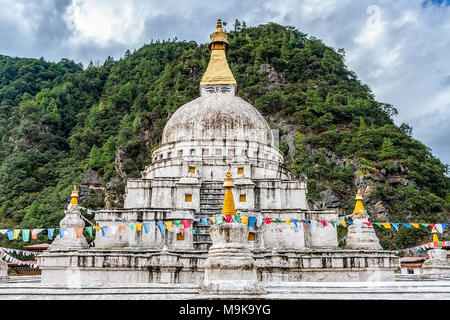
228,218
368,223
324,223
33,235
431,224
268,220
186,224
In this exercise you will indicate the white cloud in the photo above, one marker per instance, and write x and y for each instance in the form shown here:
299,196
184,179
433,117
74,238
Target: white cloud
400,49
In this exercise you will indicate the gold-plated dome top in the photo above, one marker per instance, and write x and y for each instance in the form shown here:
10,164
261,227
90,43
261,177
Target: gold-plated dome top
218,71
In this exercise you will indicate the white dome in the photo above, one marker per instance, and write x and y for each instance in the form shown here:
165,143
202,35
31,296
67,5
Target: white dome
217,117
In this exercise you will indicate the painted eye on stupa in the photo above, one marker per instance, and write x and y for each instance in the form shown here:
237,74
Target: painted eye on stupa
225,90
210,90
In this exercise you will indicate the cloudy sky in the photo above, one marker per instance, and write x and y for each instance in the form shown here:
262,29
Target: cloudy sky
401,49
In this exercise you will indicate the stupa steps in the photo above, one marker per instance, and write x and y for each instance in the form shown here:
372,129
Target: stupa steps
211,202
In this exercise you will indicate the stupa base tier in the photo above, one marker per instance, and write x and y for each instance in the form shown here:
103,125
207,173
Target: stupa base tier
94,266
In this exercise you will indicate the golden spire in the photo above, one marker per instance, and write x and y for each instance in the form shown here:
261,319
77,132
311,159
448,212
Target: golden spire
218,71
228,201
74,196
359,207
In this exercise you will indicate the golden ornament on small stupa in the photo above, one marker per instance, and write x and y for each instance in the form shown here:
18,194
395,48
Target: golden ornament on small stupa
228,201
359,206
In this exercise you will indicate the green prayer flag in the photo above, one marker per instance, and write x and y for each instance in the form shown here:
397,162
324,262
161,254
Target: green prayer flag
424,224
219,219
177,223
277,220
237,218
377,223
131,226
89,230
26,235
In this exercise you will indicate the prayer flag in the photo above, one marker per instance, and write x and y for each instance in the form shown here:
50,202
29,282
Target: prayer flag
212,219
104,229
377,224
408,225
146,227
219,219
89,231
131,226
169,225
16,233
259,221
395,225
268,220
61,232
295,222
324,223
387,225
368,223
426,224
439,228
415,225
251,221
237,218
204,221
186,224
177,223
10,234
343,223
228,218
288,222
160,226
244,219
138,226
277,220
79,232
121,227
50,233
26,235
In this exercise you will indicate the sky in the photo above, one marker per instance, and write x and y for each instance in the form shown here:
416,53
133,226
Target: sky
401,49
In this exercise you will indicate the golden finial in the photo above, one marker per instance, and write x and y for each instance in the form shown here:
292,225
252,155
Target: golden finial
358,195
219,25
218,71
228,201
74,196
359,206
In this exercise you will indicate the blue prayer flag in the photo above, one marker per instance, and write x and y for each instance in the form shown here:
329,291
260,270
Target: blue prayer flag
251,221
10,234
204,221
146,227
160,225
50,233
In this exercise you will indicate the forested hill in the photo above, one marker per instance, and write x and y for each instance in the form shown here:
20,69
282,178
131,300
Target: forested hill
58,120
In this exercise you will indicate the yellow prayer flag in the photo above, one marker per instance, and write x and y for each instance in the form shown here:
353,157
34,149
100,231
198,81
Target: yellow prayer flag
138,226
386,225
416,225
343,224
98,228
16,233
244,219
212,219
288,222
169,225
